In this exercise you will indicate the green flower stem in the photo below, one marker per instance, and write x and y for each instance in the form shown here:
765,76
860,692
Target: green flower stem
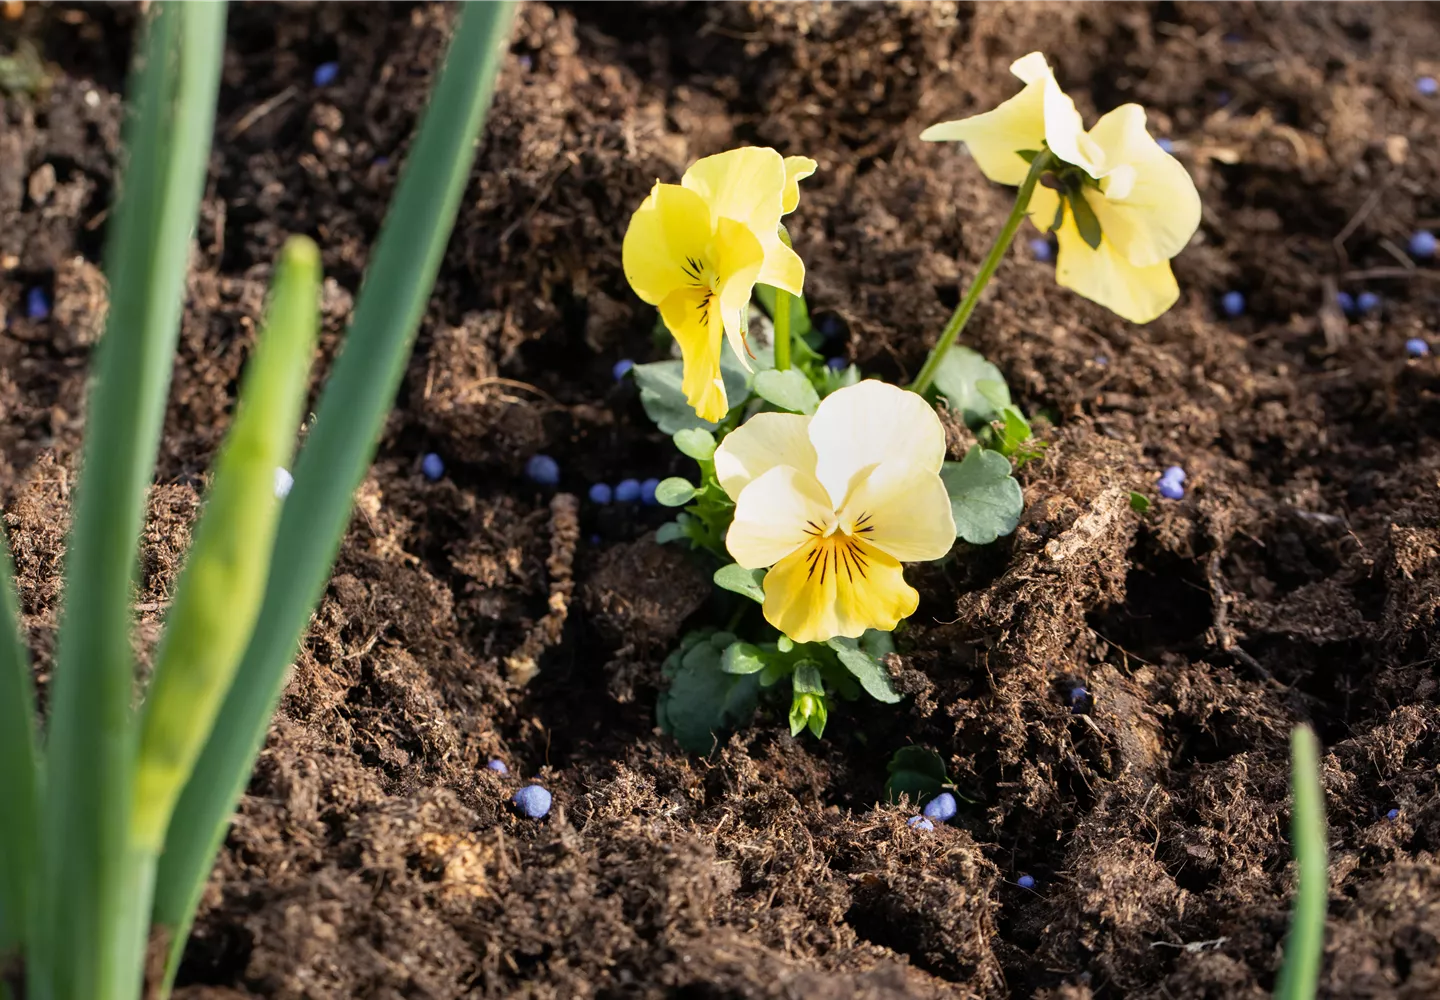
961,316
782,329
1305,947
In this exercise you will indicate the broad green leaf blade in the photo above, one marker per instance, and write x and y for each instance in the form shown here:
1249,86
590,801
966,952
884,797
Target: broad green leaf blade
974,387
92,923
737,578
984,497
703,700
915,772
789,390
1300,975
219,593
674,492
19,773
742,658
664,401
337,454
696,443
866,669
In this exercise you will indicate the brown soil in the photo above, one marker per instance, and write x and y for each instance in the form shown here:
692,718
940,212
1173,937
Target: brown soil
1299,580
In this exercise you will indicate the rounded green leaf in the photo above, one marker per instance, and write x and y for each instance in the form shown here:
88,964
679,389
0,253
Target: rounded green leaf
674,492
974,387
742,658
695,442
789,390
984,497
740,580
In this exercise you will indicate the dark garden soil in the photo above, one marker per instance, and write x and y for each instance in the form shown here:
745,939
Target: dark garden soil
1298,580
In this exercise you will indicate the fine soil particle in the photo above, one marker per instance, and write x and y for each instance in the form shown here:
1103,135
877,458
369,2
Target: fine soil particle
374,855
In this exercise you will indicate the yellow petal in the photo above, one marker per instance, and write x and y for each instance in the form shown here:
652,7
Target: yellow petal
903,510
1041,210
783,267
693,317
837,586
671,226
797,168
994,138
776,514
860,426
1151,208
745,184
739,256
1138,294
761,443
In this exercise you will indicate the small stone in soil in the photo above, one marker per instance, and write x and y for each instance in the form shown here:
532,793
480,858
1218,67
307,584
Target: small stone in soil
498,766
919,823
622,368
941,808
647,492
1416,348
1026,881
543,469
601,493
1232,304
432,466
1422,244
627,491
283,482
533,801
37,304
326,73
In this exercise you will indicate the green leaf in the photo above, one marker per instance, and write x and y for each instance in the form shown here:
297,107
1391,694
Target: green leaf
775,671
337,454
807,705
674,492
92,890
830,379
670,531
218,596
789,390
1028,155
1139,502
984,497
703,700
664,400
959,379
1085,220
1305,944
19,770
914,772
866,669
742,658
696,443
740,580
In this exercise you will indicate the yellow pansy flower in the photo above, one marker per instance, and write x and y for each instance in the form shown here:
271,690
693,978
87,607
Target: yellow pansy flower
1120,206
834,503
697,248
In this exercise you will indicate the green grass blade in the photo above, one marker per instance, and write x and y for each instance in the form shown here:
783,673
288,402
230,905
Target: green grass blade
1300,975
340,447
218,597
86,936
19,773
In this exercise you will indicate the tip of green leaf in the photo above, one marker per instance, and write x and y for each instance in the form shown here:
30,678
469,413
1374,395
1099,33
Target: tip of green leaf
301,251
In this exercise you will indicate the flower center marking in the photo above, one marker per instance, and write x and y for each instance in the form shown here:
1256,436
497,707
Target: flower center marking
834,550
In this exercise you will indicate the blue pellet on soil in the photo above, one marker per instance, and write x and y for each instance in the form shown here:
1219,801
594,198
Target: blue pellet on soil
1026,881
432,466
647,492
1367,302
498,766
1232,304
533,801
37,304
622,368
627,491
919,823
543,469
1416,348
1427,86
1165,144
326,73
1422,244
1346,302
1170,489
1040,249
601,493
941,808
1393,814
836,364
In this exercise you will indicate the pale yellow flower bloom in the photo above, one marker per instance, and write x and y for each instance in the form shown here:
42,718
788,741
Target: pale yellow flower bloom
697,248
1145,203
834,503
